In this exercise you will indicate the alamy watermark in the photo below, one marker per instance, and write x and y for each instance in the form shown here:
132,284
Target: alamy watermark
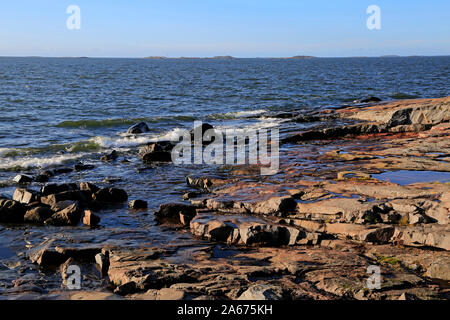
73,22
374,20
73,280
374,280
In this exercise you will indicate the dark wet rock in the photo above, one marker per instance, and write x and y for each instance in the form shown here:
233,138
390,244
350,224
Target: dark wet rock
185,219
47,257
309,118
69,216
102,260
138,204
127,288
270,235
113,155
49,173
157,152
22,179
41,178
57,188
83,167
159,146
191,195
62,170
171,212
200,131
53,199
110,195
62,205
157,156
90,219
205,183
11,211
370,99
138,128
81,254
87,186
25,196
38,215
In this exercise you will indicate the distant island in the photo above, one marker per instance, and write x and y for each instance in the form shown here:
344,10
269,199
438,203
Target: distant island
302,57
215,57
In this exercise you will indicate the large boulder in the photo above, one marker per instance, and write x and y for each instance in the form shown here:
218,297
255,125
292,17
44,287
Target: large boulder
137,204
159,151
170,212
138,128
69,216
57,188
90,219
429,235
11,211
24,196
199,132
87,186
110,195
38,214
53,199
279,206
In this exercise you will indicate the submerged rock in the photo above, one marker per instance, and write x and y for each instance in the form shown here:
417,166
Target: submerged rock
83,167
370,99
138,128
138,204
110,156
171,212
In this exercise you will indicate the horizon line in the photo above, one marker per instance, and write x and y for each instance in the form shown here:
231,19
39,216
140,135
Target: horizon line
222,57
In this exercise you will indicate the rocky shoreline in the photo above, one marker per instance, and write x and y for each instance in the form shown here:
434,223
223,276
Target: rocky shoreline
309,232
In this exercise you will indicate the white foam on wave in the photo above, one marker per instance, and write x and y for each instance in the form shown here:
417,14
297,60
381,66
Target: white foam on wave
4,151
126,141
38,162
241,114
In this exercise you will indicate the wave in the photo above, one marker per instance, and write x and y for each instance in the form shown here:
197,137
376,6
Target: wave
99,123
25,163
401,95
236,115
80,146
92,123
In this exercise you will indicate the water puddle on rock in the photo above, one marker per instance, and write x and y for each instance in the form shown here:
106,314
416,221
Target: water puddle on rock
404,177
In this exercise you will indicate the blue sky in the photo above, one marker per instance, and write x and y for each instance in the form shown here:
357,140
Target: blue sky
241,28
